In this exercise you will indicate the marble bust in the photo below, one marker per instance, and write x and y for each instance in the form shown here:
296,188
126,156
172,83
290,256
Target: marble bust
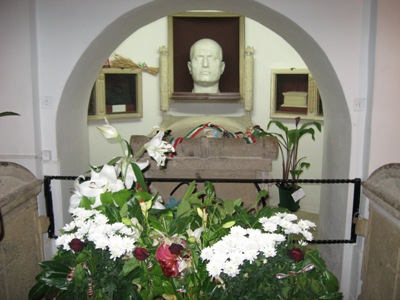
206,66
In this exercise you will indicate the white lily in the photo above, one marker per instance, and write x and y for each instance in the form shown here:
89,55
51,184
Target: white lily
196,234
158,204
77,196
157,148
108,131
127,171
104,181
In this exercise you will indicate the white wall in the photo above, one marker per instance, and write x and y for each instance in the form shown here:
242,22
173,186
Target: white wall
271,52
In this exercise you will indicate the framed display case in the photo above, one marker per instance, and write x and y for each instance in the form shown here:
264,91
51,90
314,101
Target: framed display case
116,94
187,28
295,93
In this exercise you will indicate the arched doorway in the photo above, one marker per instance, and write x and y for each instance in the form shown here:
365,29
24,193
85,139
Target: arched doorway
71,117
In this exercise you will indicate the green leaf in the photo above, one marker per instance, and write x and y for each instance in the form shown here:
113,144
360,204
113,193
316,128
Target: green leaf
122,196
183,208
106,198
139,176
330,281
143,195
113,161
229,205
37,291
130,265
189,191
8,113
79,275
315,258
86,202
55,266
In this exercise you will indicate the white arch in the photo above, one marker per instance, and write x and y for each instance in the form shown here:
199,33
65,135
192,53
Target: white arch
72,112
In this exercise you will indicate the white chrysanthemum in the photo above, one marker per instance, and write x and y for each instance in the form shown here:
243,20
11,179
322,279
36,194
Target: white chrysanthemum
270,226
251,255
307,235
254,234
303,243
305,224
81,213
69,227
277,237
64,241
100,241
117,226
127,231
207,253
214,269
116,246
289,227
231,269
269,251
288,217
100,219
238,257
84,228
237,231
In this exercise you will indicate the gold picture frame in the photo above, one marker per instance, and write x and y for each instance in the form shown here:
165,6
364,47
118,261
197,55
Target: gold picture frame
294,92
116,94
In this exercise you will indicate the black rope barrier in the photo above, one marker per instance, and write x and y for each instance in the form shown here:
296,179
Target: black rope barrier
356,196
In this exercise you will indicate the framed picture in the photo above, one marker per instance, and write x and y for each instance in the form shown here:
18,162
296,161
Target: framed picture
116,94
295,93
187,28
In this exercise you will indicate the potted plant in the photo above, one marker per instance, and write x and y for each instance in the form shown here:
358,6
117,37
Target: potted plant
292,165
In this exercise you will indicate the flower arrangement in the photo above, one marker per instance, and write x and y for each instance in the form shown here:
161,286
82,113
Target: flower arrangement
125,243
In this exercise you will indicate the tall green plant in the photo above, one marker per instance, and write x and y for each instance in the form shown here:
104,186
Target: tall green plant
289,141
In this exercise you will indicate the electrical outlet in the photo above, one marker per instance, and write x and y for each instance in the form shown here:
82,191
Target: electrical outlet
46,102
46,155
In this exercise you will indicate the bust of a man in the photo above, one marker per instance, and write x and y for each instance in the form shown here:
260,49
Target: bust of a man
206,66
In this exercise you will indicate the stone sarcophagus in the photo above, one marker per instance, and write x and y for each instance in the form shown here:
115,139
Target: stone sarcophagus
20,233
381,261
215,158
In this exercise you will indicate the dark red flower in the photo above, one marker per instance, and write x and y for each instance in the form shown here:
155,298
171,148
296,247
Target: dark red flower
175,249
167,261
141,253
77,245
296,254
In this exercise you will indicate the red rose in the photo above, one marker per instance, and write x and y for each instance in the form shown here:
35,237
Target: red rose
77,245
175,249
141,253
296,254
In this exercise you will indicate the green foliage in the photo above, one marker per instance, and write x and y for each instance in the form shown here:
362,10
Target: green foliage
289,141
8,113
72,275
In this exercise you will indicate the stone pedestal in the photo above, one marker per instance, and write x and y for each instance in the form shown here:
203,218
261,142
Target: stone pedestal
215,158
21,245
381,260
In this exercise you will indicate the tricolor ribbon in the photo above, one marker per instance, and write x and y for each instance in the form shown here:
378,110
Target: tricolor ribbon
305,269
